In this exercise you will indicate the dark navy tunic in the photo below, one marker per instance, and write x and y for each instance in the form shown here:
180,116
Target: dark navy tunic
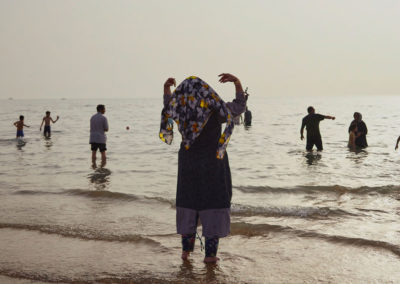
204,182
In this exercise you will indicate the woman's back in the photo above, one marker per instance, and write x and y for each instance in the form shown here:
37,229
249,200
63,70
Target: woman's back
209,136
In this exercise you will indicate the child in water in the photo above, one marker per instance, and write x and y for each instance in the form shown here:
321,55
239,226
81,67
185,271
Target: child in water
352,136
20,126
46,120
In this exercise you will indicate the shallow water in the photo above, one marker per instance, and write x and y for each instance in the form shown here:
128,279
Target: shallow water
296,216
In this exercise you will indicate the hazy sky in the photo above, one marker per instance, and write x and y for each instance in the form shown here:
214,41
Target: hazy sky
106,49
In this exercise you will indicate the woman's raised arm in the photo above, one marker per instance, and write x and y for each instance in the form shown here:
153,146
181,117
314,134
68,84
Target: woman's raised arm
238,105
226,77
167,89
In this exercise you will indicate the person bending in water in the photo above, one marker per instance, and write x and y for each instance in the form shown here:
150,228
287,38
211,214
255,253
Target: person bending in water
204,189
98,125
311,123
46,120
20,126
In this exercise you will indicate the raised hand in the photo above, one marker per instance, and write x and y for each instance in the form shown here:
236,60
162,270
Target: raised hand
226,77
167,85
170,82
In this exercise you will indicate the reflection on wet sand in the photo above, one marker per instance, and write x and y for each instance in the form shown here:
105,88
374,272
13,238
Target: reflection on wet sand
20,143
312,158
211,273
100,178
206,275
48,143
102,164
186,271
357,155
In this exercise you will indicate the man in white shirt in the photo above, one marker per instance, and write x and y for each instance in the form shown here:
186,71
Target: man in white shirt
98,138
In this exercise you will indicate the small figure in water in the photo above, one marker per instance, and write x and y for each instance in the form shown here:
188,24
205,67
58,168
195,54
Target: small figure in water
397,143
361,139
46,120
247,113
98,125
247,117
311,123
352,136
20,126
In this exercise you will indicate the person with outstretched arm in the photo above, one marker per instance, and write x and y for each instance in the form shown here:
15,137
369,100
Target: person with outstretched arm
46,120
311,123
20,126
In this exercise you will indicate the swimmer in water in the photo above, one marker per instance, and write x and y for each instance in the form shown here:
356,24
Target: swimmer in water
20,126
46,120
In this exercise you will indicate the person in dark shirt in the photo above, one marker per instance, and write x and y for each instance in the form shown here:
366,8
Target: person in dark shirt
361,138
311,123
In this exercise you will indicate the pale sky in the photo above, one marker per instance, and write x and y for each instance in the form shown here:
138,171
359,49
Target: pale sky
126,49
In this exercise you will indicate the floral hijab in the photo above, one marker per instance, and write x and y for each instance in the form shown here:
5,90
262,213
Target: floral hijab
190,106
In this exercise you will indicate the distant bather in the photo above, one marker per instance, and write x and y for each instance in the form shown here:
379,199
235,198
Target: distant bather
361,139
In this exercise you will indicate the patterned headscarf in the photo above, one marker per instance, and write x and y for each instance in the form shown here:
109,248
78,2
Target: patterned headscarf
190,106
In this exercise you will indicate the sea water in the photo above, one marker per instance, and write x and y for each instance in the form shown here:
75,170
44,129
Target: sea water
330,216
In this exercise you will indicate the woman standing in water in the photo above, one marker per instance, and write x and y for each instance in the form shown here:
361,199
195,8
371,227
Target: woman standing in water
362,131
204,187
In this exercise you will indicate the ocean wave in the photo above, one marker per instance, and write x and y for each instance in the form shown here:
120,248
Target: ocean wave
86,234
99,194
33,192
35,276
388,189
170,202
251,230
143,277
9,141
81,192
297,211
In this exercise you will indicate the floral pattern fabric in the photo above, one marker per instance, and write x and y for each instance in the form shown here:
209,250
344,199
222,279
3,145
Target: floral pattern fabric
190,106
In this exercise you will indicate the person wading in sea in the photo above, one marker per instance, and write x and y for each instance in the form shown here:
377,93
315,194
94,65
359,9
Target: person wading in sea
362,130
311,123
204,189
97,140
